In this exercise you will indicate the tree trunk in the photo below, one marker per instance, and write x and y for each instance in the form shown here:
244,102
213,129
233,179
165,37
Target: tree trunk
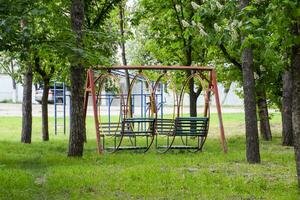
252,141
45,128
14,84
286,111
122,43
296,97
27,106
193,97
192,93
77,129
123,52
265,130
77,72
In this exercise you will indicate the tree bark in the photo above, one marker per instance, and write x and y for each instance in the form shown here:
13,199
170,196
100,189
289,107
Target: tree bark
296,97
14,84
252,140
77,73
193,97
46,83
192,93
77,129
265,130
45,126
27,106
122,43
286,110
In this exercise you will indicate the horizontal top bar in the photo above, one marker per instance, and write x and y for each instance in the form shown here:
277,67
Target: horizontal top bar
200,68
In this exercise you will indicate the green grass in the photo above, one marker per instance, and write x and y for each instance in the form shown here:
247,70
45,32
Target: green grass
42,170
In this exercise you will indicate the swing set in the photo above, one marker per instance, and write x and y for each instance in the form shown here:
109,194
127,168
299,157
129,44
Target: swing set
127,131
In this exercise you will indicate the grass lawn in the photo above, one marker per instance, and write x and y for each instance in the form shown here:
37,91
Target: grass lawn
42,170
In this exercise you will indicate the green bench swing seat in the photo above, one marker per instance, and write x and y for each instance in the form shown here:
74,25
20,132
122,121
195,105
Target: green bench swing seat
188,127
131,128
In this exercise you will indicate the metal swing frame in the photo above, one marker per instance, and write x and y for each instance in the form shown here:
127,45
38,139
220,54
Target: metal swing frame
187,128
197,71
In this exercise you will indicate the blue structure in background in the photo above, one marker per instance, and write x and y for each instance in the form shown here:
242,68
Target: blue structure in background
143,96
60,97
59,100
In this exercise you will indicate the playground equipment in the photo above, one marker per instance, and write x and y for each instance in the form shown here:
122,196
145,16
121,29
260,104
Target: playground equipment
191,131
59,100
129,130
114,130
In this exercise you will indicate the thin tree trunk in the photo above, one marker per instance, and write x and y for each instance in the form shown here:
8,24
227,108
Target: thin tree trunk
286,110
27,95
27,106
14,84
122,43
192,93
265,130
46,83
45,126
252,141
123,52
296,97
193,97
77,72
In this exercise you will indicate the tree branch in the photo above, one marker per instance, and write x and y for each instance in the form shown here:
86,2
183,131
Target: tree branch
179,23
198,92
37,66
229,57
104,11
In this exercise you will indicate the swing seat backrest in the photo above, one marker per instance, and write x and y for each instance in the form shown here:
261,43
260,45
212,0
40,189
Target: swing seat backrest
191,126
138,126
110,128
165,126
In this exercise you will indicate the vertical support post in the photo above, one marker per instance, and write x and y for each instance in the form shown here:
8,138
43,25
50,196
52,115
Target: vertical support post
217,99
145,105
161,100
69,112
85,100
142,97
64,106
86,95
91,88
109,104
55,110
132,105
207,96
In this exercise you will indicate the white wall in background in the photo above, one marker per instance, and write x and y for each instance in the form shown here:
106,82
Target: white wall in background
7,92
231,99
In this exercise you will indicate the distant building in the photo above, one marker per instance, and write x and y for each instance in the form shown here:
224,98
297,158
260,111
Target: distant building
7,93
